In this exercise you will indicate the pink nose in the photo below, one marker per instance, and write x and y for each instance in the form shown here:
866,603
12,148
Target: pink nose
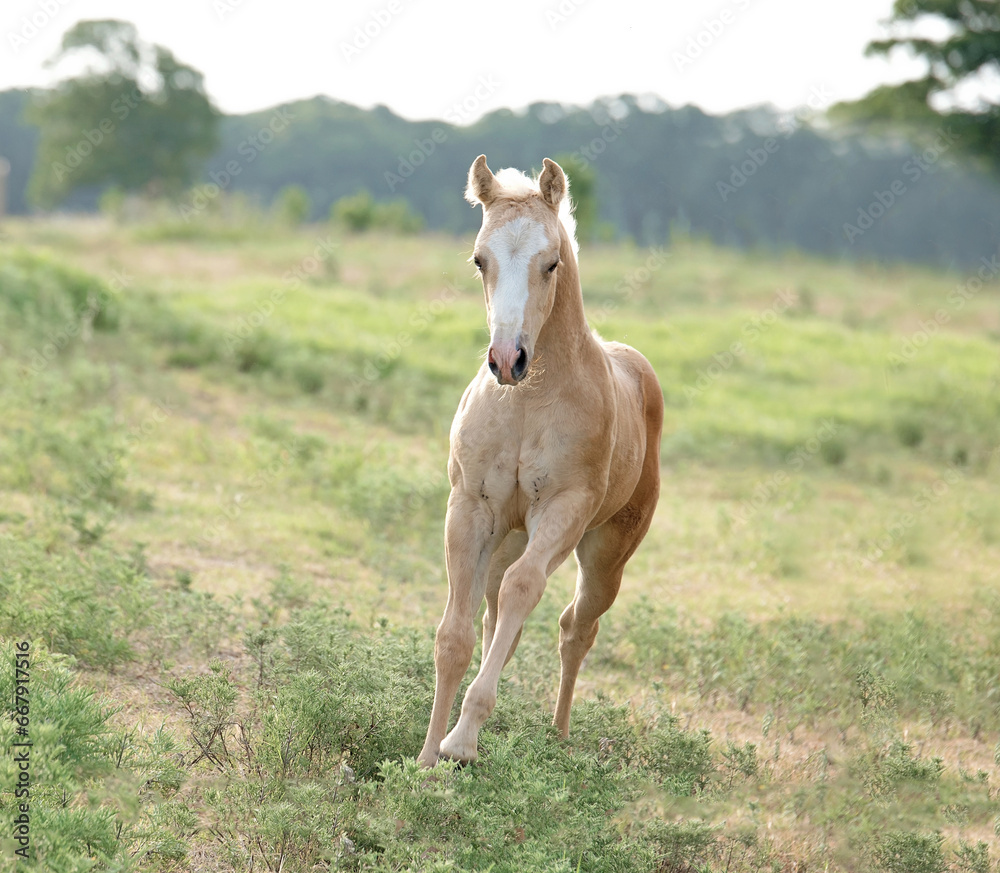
508,362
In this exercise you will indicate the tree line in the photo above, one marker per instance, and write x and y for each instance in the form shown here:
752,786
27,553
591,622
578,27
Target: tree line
848,181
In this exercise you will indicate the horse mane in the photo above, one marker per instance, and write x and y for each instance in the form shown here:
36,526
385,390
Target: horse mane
519,186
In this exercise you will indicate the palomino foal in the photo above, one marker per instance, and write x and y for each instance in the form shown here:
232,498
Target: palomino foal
555,447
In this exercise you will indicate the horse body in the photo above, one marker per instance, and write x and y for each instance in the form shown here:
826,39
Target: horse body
554,448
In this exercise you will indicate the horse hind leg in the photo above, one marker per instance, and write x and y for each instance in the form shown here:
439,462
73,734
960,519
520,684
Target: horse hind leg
601,556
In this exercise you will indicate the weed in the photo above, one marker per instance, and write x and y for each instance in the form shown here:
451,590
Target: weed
99,796
739,762
885,770
973,858
906,852
91,606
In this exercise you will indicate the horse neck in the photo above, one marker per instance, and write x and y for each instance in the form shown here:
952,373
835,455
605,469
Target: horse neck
565,339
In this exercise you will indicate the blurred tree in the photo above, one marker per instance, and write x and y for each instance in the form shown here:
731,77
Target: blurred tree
959,86
361,212
582,185
356,212
293,205
398,215
136,117
111,203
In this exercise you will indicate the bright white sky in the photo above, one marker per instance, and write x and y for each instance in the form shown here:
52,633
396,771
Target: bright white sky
428,56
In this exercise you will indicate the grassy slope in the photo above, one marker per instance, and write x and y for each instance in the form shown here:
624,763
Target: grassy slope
822,471
394,328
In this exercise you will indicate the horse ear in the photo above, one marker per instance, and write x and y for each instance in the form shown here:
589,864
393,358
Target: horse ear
483,185
552,183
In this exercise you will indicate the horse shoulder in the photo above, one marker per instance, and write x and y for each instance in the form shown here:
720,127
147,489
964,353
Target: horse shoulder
635,380
638,414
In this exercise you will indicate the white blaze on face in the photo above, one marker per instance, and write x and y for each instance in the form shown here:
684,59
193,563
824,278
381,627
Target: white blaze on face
513,246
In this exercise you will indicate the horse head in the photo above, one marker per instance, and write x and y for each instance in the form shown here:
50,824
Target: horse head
518,253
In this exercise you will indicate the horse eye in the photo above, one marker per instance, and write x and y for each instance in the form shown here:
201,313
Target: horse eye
552,269
478,263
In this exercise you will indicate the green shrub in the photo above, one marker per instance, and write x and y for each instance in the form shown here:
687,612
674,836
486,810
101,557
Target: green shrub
64,439
356,212
973,858
679,760
910,432
906,852
292,205
53,306
100,797
683,845
92,606
111,203
885,770
360,212
313,763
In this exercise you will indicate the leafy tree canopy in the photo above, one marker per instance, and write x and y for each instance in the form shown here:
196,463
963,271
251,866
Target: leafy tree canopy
136,117
960,42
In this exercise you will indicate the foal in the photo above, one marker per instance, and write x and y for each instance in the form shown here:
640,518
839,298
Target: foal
555,446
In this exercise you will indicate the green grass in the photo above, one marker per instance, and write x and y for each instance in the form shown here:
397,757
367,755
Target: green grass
222,473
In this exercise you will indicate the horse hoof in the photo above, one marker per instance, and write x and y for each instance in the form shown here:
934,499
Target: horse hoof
455,751
427,761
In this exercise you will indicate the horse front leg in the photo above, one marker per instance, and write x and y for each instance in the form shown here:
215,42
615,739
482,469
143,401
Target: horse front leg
509,551
550,539
470,541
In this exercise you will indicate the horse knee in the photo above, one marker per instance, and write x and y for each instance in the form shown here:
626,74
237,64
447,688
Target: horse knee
521,589
490,620
576,634
566,619
454,643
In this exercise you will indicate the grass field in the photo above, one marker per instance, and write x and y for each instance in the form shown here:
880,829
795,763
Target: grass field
222,466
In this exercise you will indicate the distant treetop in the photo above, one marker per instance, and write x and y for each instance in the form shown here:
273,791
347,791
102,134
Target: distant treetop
136,117
960,85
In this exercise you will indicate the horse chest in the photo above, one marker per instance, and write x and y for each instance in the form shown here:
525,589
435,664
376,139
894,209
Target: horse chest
511,471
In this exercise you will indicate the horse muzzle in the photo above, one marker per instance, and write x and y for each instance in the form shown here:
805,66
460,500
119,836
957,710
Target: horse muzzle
508,361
